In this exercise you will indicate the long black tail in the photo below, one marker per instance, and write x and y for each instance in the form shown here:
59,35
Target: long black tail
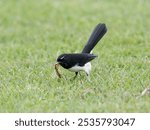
96,35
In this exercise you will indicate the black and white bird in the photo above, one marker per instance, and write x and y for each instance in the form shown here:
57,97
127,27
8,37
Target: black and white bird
76,62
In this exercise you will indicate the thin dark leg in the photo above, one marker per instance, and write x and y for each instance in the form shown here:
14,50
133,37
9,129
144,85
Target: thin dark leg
88,77
76,73
79,73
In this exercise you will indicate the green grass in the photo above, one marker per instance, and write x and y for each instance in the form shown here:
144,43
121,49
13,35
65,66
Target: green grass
32,35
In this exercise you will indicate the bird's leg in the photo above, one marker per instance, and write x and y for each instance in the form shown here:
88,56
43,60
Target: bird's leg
76,74
79,73
88,77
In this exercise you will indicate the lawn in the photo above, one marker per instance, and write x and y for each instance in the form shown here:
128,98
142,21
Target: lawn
32,35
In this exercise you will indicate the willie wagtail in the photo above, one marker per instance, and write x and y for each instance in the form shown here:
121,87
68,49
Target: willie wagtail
76,62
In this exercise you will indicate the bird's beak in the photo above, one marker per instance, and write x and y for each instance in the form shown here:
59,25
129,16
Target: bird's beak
56,68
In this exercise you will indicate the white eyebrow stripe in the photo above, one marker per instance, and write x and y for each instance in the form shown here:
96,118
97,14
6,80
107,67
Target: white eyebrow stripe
62,58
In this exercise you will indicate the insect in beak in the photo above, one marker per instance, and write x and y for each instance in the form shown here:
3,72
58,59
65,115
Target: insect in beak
56,68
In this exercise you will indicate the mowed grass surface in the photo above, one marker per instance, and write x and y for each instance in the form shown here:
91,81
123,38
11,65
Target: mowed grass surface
32,35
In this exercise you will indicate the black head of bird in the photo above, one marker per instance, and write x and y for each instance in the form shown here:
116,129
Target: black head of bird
76,62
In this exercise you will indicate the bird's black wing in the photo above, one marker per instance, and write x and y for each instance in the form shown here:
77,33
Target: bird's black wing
96,35
79,59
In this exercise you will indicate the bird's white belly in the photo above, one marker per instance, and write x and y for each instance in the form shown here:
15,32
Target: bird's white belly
76,68
86,68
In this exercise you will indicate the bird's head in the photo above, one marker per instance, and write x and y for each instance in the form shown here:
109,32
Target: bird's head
62,60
